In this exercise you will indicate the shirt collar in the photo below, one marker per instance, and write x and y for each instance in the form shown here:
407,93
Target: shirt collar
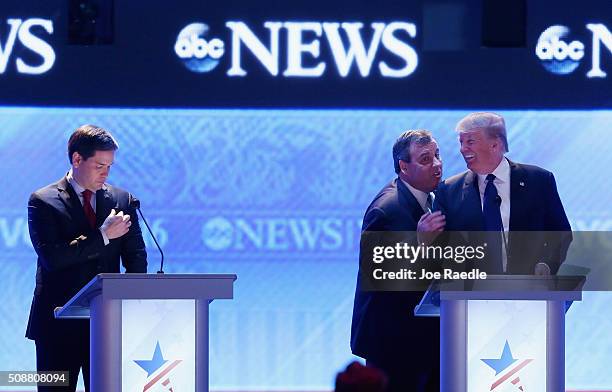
501,173
419,195
75,185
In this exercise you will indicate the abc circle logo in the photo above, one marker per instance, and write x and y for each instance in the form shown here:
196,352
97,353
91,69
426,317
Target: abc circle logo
218,234
198,53
558,54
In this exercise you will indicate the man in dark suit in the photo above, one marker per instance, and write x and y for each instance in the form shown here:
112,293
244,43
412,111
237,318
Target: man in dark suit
384,329
496,194
79,226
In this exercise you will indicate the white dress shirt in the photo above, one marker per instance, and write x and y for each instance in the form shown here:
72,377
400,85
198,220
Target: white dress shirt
502,183
420,196
79,191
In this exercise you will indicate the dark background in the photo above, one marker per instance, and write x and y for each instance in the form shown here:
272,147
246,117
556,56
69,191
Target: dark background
140,69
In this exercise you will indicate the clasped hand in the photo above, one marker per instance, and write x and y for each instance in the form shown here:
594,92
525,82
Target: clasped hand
116,224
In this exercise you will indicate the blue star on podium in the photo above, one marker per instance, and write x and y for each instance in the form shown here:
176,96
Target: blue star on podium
151,365
499,365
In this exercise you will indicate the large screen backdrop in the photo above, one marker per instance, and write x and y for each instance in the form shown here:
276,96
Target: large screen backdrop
277,197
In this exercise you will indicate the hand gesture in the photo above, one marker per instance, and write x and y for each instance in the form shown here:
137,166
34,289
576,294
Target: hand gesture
430,226
116,224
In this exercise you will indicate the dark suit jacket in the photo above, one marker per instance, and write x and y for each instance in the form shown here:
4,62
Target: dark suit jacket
539,229
71,253
384,325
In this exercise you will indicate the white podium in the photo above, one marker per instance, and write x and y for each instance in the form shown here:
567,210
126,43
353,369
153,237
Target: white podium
505,333
148,332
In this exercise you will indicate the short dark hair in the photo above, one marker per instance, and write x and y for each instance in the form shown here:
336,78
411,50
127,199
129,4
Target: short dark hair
401,148
87,139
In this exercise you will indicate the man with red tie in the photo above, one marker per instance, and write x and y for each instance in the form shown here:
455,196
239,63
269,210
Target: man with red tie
80,227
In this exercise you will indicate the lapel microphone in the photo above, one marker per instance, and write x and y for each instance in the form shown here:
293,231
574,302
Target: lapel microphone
498,201
135,203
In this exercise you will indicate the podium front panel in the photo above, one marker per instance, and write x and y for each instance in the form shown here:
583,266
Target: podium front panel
148,332
506,345
158,341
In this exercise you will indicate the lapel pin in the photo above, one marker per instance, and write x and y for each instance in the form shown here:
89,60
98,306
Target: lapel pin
521,183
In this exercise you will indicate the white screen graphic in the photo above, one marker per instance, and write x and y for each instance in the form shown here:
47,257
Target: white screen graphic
506,347
158,345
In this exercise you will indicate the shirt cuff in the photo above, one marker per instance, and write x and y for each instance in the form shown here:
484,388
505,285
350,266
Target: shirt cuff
104,237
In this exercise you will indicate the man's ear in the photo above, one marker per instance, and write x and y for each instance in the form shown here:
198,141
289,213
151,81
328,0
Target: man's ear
495,143
403,166
77,159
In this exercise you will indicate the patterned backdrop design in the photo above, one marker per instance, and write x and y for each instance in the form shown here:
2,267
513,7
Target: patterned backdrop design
277,197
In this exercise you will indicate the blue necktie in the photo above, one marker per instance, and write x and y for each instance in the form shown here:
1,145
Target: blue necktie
493,223
490,206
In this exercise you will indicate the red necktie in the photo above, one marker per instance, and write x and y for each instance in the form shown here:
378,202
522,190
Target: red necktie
90,214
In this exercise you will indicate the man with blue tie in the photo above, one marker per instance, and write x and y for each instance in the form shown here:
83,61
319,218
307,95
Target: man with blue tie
517,204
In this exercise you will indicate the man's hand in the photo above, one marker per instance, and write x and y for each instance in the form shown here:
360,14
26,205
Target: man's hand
430,226
542,269
115,225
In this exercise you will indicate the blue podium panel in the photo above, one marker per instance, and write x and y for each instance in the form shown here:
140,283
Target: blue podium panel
158,345
506,345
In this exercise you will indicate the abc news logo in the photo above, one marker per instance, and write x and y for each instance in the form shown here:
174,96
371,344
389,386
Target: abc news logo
190,44
25,34
387,48
562,55
282,234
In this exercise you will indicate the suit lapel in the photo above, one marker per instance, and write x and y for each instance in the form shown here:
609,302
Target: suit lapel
104,204
72,202
407,199
470,203
518,196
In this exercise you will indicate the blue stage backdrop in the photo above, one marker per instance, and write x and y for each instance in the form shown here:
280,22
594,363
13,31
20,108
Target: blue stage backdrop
277,197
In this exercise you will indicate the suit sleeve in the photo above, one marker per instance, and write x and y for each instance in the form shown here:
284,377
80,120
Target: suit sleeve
53,251
558,228
133,252
381,230
375,233
375,220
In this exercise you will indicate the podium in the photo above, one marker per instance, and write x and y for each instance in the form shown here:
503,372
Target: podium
148,332
503,333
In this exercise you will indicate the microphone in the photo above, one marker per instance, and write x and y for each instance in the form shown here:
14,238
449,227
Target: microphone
498,201
135,204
